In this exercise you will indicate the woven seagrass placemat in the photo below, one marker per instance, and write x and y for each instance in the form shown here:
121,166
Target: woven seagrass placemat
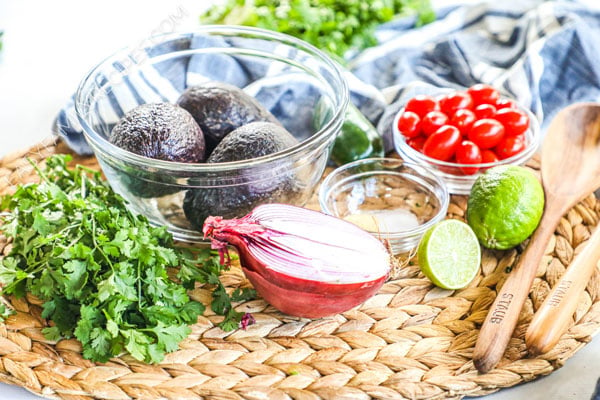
411,341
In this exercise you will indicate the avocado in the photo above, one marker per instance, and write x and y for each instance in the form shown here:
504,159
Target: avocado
161,131
252,140
220,108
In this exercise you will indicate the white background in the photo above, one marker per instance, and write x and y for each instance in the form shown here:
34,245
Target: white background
49,46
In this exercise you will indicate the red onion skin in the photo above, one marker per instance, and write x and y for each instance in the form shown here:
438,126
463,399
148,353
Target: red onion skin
312,305
296,296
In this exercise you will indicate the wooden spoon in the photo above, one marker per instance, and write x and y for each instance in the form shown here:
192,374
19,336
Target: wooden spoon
570,171
555,315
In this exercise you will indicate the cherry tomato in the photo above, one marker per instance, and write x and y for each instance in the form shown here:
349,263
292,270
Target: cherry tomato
468,152
421,104
488,156
463,119
505,103
509,146
442,144
485,111
515,121
454,101
486,133
433,121
417,143
483,94
409,124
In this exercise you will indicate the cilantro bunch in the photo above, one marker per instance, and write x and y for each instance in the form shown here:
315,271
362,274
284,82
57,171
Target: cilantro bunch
335,26
102,271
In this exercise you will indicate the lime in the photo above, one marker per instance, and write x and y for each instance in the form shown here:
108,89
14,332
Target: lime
449,254
505,206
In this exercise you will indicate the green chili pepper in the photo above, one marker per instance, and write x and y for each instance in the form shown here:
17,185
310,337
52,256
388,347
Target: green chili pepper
358,138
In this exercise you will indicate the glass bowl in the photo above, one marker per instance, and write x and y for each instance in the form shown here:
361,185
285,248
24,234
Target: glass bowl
452,173
392,199
287,76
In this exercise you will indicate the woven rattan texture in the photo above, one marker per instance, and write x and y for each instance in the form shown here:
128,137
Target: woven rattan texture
410,341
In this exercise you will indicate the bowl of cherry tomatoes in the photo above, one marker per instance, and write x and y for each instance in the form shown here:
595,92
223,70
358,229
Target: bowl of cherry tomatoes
460,134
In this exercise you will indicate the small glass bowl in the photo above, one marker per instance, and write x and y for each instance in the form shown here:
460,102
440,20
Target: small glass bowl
453,173
392,199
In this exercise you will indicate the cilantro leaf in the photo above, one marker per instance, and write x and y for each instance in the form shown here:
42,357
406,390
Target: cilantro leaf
5,312
75,278
221,303
102,271
232,320
244,294
170,336
52,333
136,342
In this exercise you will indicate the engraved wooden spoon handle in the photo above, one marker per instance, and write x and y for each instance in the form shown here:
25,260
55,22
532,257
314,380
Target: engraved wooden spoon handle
503,316
553,318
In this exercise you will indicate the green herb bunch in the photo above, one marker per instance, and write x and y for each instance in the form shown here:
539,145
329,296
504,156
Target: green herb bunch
335,26
102,271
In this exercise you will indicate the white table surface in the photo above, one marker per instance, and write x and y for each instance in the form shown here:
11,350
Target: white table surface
49,46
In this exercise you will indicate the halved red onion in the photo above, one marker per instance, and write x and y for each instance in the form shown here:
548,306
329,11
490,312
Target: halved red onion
303,262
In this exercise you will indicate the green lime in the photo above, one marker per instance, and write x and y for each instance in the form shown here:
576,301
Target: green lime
449,254
505,206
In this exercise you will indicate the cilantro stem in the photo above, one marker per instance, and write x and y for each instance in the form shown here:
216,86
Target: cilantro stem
96,247
35,166
68,246
83,191
139,284
62,233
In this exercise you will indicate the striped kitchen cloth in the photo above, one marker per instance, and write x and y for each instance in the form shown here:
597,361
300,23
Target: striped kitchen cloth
545,54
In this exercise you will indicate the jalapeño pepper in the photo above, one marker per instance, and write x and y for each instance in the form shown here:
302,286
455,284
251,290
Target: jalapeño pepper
358,138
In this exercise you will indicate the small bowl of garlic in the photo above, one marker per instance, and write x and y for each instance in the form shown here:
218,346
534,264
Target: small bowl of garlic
394,200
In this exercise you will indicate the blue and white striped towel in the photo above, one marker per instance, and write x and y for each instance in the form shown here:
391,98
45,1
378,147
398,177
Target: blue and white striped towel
546,54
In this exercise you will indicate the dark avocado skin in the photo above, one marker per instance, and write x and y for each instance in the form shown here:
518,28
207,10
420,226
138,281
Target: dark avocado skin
220,108
161,131
253,140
